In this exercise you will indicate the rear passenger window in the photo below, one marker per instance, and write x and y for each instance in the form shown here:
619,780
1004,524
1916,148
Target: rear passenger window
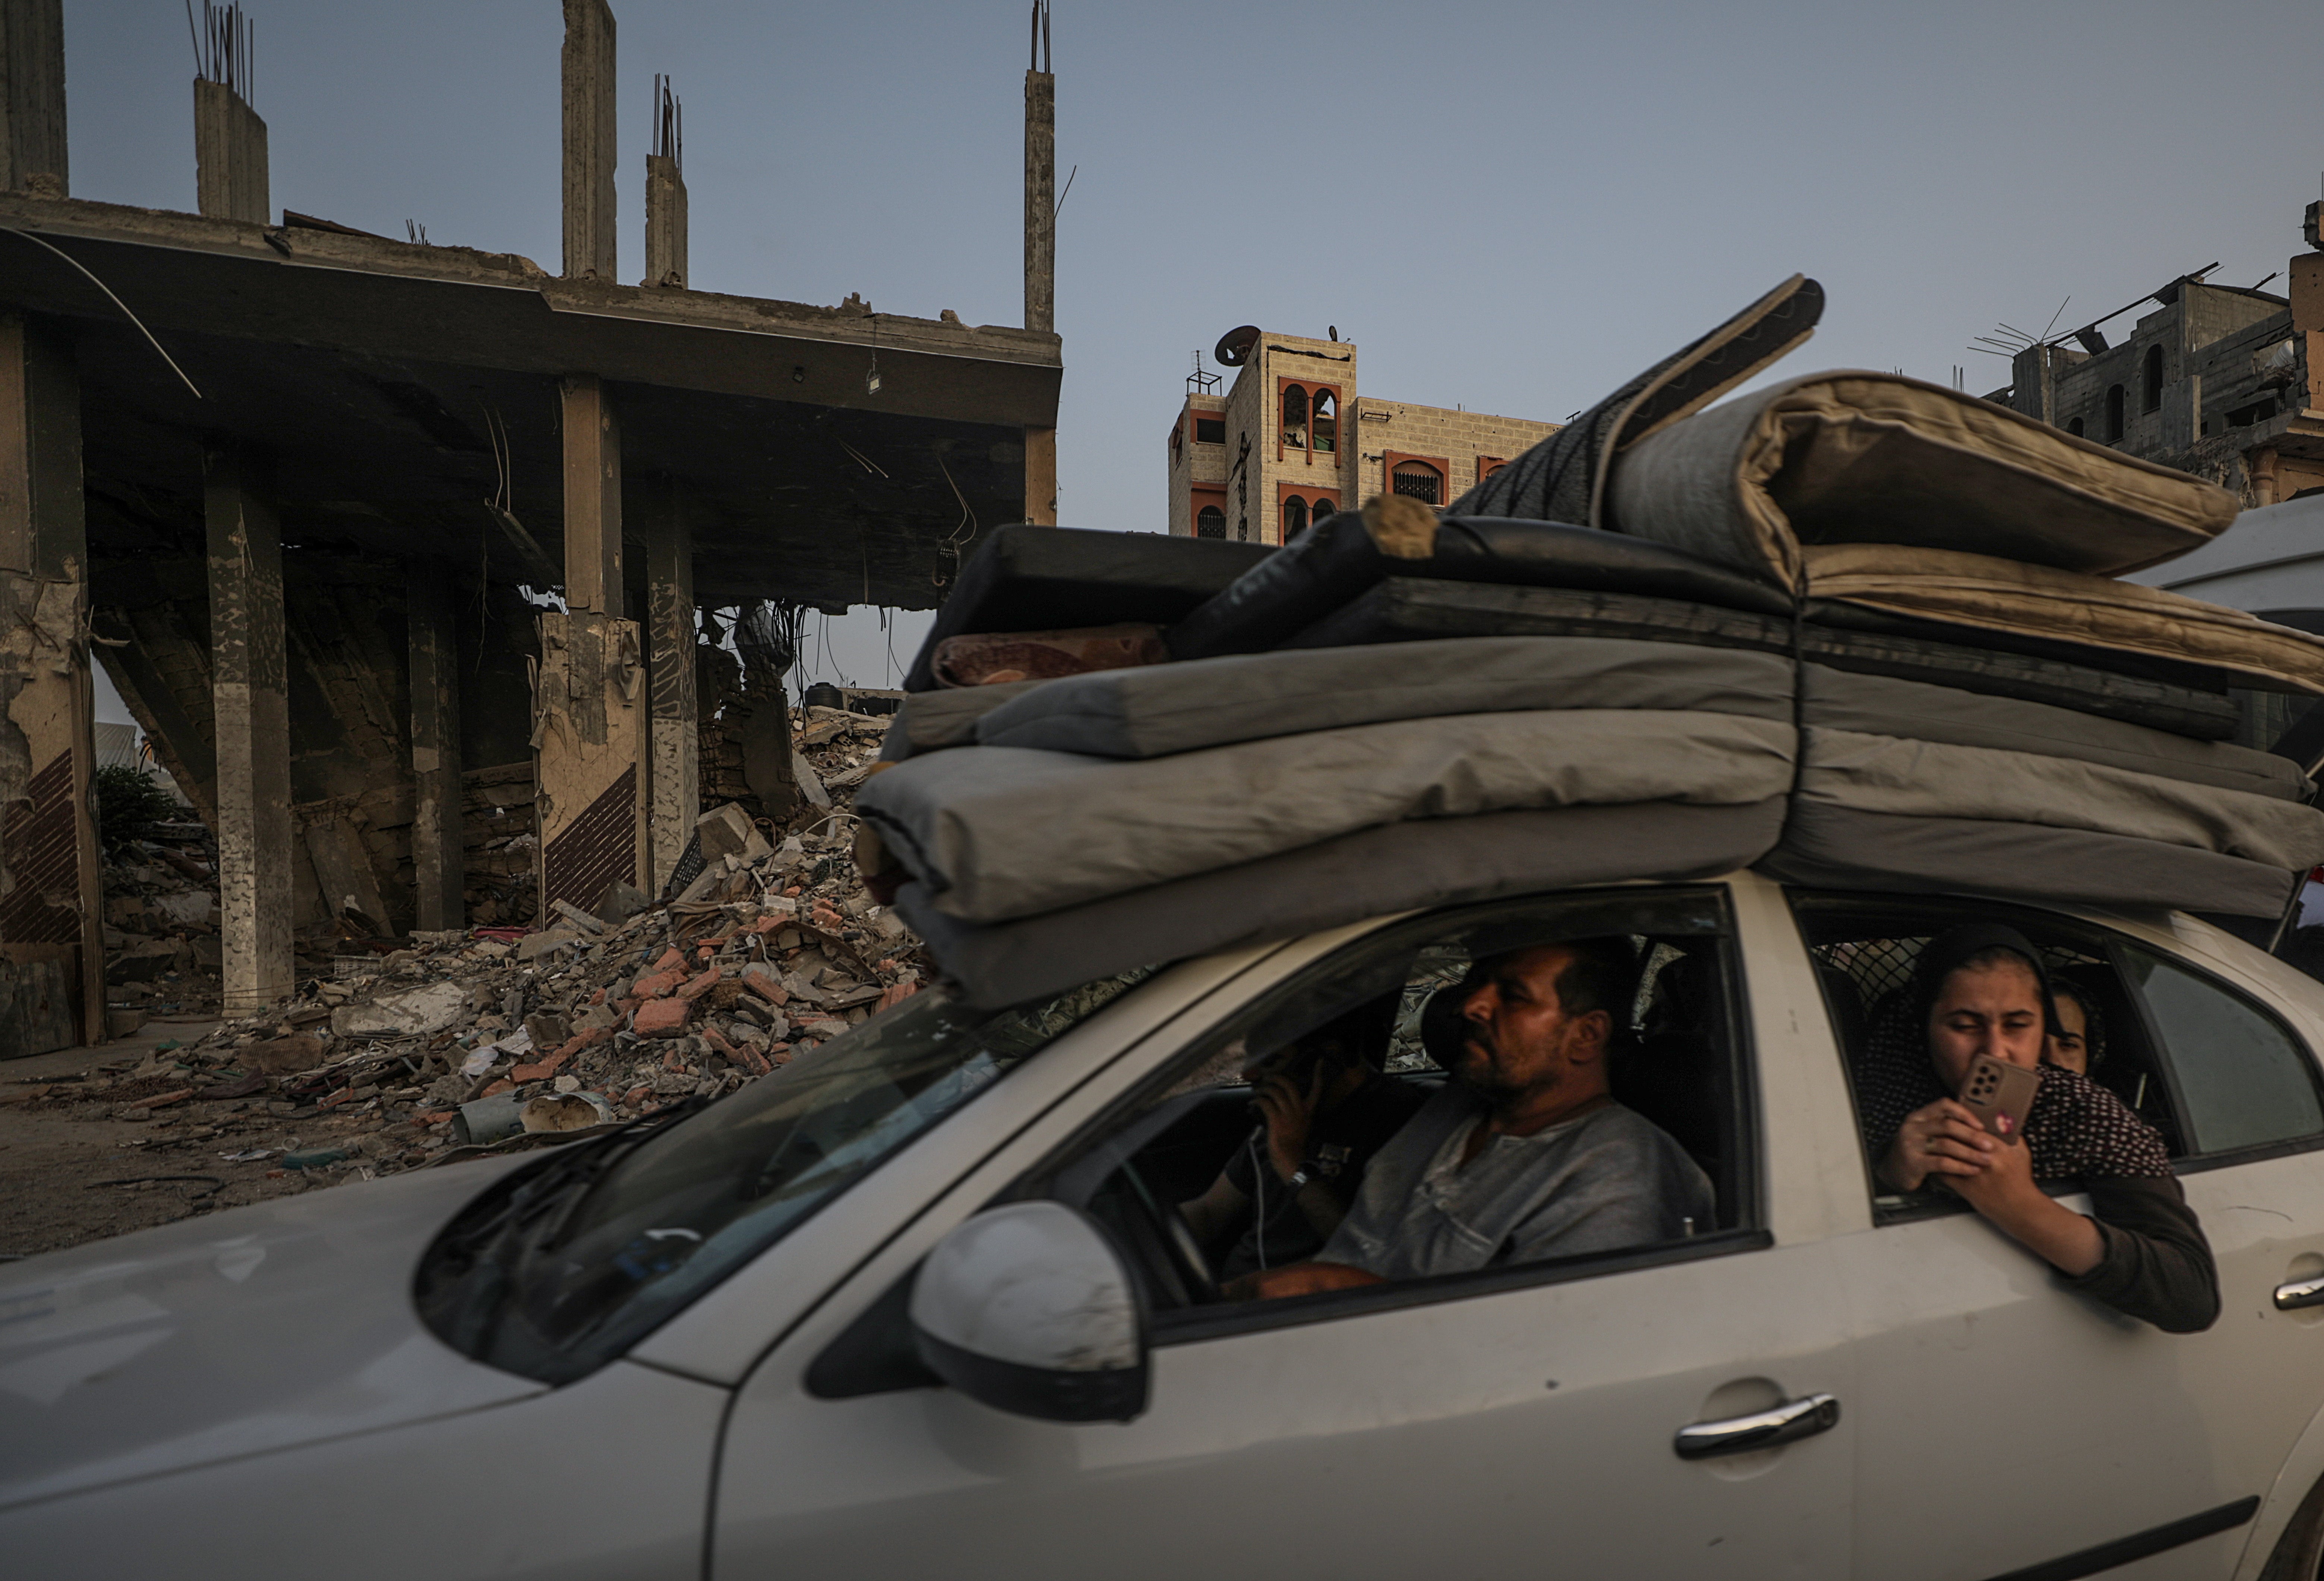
2243,1079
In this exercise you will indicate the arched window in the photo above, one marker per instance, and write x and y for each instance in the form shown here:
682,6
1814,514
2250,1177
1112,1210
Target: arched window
1211,523
1321,511
1421,481
1294,517
2150,384
2113,413
2074,427
1294,416
1327,423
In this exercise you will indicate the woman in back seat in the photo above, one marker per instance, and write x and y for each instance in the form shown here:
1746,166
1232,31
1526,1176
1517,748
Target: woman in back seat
1983,989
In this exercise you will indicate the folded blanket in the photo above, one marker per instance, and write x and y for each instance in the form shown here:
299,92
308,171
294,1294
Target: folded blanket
1210,702
997,832
1877,458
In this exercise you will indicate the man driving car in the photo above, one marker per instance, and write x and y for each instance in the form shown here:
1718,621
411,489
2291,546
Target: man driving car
1524,1155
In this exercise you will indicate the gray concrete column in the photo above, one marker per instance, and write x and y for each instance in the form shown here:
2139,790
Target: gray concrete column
1041,477
593,498
230,168
51,907
665,222
33,154
438,866
249,691
673,732
1040,201
589,710
591,246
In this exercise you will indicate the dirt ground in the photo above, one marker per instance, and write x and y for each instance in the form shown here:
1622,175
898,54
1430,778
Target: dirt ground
67,1144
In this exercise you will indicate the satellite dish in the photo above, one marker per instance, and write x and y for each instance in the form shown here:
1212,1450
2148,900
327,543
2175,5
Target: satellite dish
1233,348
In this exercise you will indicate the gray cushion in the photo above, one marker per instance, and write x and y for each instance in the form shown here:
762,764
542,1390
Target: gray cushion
1882,773
1842,848
1208,702
1880,705
1397,867
997,832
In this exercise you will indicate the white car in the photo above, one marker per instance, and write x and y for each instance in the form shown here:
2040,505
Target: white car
922,1306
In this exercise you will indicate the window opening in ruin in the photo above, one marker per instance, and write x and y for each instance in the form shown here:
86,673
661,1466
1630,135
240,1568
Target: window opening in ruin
1325,423
1295,417
2074,427
1418,480
2114,413
1294,517
2150,389
1210,430
2257,411
1211,522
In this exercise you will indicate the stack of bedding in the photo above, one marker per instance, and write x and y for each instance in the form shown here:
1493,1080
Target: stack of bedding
1854,630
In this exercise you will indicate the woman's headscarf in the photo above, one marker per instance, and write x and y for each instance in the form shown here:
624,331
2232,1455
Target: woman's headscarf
2077,1128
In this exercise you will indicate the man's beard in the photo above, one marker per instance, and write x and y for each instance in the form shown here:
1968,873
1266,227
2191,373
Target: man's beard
1478,1072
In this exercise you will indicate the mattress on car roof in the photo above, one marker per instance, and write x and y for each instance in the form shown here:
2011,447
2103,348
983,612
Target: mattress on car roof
1410,610
997,832
1856,458
1369,873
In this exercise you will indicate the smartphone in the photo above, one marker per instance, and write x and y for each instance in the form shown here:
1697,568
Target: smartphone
1994,1089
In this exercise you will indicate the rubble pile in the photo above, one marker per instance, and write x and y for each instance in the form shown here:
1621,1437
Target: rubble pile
161,927
462,1041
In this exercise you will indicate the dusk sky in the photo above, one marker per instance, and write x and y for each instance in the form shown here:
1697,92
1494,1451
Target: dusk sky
1509,207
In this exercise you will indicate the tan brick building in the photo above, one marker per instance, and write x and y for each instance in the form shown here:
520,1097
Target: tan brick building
1294,440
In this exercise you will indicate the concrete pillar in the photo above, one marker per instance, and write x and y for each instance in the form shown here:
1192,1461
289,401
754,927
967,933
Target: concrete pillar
230,180
589,707
672,731
32,155
51,907
1040,201
591,246
593,498
665,222
1041,477
437,855
250,697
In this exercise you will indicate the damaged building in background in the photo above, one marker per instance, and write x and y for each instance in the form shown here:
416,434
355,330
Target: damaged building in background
2225,382
396,551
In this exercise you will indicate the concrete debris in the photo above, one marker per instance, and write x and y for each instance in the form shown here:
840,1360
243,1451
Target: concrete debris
459,1042
161,928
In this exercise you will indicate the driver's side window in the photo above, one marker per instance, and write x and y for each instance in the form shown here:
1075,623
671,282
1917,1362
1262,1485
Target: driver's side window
1400,1061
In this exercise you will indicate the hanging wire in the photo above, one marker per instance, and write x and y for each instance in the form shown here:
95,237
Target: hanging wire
116,301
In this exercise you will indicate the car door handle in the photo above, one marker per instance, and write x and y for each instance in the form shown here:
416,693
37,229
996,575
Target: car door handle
2298,1293
1793,1420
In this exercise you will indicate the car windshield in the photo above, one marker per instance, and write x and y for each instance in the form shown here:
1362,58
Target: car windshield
560,1268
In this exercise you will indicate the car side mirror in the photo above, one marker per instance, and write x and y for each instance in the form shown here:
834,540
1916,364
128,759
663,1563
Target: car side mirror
1029,1308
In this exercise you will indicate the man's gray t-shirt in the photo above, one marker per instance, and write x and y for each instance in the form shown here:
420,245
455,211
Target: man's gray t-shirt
1608,1179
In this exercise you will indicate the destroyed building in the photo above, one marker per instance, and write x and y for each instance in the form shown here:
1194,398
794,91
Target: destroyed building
2225,382
1293,442
396,551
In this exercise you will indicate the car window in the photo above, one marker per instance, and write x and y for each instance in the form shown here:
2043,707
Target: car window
1146,1168
1864,948
2244,1080
560,1267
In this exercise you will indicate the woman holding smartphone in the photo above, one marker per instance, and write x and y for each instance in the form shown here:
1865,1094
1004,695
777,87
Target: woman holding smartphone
1982,990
